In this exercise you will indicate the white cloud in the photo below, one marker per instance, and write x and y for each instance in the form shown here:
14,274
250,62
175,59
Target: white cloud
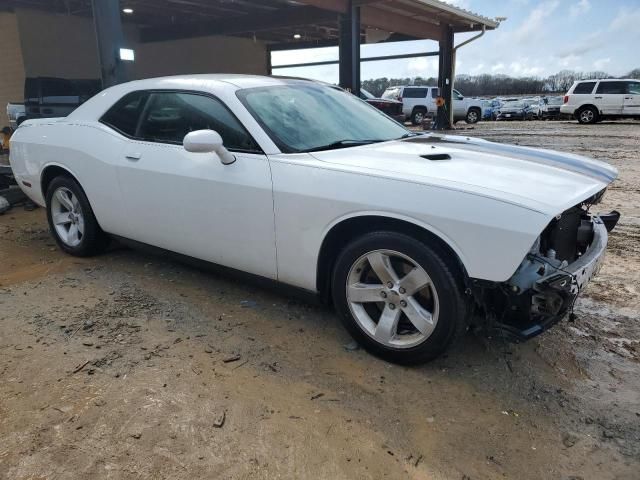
569,61
601,63
580,8
477,69
423,67
627,20
534,22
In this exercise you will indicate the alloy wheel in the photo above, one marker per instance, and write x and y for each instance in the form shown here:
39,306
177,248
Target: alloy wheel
67,216
392,298
587,116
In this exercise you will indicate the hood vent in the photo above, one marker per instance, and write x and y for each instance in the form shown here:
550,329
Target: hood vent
437,156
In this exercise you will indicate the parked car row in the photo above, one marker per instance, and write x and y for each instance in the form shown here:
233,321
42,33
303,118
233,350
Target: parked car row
533,108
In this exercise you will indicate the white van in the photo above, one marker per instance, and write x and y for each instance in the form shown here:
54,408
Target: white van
419,102
590,101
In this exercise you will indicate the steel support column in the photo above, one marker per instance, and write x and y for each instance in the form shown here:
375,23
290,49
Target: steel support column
349,49
445,81
108,26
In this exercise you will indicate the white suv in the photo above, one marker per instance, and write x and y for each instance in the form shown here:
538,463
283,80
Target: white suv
590,101
419,102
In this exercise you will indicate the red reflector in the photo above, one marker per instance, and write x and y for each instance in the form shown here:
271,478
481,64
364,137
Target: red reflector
26,184
566,99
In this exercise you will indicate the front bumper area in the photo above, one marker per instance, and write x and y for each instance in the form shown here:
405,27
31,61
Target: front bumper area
540,294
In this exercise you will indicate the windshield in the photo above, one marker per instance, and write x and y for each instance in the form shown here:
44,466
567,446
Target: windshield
513,105
305,117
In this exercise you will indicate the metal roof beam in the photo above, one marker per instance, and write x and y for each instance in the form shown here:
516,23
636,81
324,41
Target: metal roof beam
286,17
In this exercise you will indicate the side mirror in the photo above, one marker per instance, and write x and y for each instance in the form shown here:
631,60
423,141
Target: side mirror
207,141
460,97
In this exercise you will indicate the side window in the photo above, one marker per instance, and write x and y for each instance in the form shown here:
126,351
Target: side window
415,92
124,115
169,116
584,87
612,87
435,93
633,88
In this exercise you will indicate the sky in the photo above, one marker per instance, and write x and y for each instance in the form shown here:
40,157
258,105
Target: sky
539,38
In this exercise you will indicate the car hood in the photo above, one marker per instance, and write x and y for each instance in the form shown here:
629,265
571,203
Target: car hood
542,180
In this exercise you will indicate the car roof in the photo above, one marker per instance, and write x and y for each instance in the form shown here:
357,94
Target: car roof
200,82
608,80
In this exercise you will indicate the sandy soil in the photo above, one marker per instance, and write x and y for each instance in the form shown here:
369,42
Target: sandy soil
135,366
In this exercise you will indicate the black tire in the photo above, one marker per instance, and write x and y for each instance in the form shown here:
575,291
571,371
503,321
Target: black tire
473,116
418,115
93,240
452,317
588,115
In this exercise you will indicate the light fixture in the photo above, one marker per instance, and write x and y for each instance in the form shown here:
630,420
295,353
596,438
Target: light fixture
297,36
128,11
127,55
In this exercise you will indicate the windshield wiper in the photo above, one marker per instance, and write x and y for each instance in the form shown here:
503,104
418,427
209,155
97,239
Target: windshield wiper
342,144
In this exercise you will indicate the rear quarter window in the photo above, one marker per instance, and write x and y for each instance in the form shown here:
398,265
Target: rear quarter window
584,87
415,92
123,116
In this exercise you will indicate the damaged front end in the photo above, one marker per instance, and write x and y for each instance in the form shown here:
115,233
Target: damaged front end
563,259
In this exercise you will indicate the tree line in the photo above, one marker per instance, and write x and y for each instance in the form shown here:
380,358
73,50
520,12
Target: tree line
499,85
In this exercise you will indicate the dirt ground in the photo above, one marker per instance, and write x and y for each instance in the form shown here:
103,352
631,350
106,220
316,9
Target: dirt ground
130,365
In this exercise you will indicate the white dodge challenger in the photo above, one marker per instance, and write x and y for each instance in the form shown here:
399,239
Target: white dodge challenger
412,237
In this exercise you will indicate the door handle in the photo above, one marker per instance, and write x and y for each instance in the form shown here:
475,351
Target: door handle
628,98
133,156
598,98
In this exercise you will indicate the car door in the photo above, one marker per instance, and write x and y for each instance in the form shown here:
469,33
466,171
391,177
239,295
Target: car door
632,99
459,105
609,97
191,203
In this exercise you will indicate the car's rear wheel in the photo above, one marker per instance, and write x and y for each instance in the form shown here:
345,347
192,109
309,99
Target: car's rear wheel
473,115
418,115
588,115
398,297
71,219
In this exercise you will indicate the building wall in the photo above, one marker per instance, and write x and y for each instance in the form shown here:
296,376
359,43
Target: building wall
12,65
36,43
57,45
65,46
212,54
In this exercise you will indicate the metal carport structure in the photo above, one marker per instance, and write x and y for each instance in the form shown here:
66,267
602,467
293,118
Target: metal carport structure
280,25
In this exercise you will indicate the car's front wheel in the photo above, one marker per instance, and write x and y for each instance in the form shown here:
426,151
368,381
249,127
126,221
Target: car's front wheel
398,297
71,219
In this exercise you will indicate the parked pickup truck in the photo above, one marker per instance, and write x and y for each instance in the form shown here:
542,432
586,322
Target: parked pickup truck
16,114
419,102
